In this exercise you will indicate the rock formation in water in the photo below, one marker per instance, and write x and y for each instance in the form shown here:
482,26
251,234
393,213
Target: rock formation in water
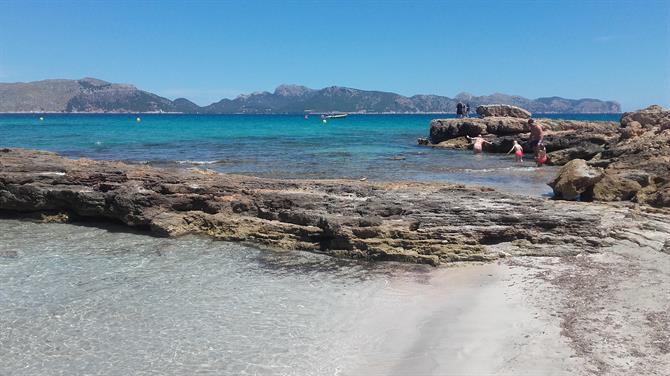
564,139
414,222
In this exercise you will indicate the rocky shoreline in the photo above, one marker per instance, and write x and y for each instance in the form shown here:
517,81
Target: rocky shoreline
603,161
411,222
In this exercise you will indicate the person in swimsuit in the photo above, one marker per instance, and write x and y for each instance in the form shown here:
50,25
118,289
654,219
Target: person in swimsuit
518,151
541,157
536,135
478,142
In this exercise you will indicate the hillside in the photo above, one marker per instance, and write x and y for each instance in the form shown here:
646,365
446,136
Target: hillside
296,99
93,95
85,95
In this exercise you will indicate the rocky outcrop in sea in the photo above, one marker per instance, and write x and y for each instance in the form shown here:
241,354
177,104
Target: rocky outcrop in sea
501,125
604,161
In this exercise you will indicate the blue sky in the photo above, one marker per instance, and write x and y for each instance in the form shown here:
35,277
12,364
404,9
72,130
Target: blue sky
205,51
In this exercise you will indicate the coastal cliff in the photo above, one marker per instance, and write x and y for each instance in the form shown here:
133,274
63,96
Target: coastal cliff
412,222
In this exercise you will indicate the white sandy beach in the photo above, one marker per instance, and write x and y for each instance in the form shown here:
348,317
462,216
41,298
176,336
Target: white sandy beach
593,314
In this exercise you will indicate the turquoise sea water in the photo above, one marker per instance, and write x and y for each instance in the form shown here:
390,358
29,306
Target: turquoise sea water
377,147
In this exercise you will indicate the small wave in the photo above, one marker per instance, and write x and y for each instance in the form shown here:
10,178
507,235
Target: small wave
498,169
198,163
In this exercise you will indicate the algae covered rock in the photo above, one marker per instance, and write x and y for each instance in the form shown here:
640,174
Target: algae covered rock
615,188
446,129
454,143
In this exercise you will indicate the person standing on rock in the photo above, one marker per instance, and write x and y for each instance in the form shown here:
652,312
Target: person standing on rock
536,135
467,110
459,110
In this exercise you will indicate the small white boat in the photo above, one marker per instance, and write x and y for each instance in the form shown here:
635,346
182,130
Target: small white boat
335,116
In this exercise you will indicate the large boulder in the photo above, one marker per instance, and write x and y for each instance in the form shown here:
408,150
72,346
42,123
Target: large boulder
504,110
575,181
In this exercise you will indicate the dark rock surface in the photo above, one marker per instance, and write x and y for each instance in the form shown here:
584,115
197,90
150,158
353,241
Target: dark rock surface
581,151
412,222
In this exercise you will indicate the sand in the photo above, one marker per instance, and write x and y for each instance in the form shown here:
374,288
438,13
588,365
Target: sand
590,314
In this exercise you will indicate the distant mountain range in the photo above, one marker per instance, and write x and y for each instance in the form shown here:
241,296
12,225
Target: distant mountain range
92,95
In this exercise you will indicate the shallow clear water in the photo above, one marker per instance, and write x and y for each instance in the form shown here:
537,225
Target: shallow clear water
378,147
85,300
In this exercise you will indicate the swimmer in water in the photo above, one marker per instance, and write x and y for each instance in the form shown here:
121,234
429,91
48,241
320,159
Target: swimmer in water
478,142
518,151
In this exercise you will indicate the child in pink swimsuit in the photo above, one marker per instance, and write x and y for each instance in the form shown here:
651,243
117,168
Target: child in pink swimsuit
518,151
541,155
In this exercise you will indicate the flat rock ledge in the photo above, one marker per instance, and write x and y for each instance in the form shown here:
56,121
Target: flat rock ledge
410,222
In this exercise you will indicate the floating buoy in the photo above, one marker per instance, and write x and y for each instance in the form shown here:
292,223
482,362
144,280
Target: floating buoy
325,121
137,119
41,118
